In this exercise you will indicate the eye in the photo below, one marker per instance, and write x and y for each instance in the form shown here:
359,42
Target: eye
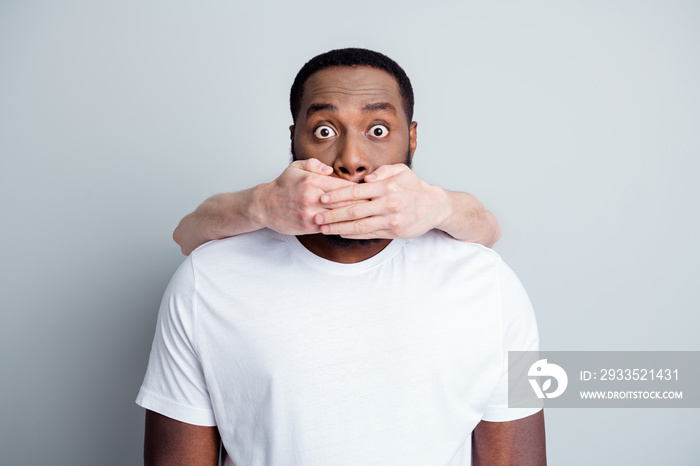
324,132
379,131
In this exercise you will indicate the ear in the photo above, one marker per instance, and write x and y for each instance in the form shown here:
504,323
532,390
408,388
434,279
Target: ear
291,139
412,137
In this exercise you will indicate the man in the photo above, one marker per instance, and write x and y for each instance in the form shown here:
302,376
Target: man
407,366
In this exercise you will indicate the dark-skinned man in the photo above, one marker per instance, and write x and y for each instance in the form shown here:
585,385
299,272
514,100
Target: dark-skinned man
406,363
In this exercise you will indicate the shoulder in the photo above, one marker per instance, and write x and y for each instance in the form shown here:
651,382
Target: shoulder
437,246
477,265
253,245
242,242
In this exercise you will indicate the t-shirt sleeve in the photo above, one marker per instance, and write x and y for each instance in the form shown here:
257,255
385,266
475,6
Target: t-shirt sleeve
519,330
174,385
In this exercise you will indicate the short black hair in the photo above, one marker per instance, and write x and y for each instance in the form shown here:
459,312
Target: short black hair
351,57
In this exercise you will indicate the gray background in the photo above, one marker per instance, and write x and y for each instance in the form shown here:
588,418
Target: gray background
575,122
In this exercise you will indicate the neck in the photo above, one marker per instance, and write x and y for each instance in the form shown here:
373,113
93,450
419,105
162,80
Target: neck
350,253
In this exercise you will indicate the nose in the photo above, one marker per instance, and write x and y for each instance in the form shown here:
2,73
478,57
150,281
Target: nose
352,162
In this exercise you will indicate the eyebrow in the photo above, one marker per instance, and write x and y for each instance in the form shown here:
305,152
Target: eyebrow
379,106
314,108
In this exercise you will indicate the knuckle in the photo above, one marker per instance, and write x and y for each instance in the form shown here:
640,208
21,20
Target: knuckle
353,212
303,185
306,187
392,186
356,191
395,222
306,200
359,227
394,206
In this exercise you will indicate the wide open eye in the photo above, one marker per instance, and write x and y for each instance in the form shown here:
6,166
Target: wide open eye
379,131
324,132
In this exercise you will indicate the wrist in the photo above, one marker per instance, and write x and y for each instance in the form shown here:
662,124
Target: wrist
445,209
254,209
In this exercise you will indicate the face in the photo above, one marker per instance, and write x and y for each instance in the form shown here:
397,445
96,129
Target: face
352,119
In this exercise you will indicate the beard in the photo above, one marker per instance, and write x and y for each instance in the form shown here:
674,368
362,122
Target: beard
348,243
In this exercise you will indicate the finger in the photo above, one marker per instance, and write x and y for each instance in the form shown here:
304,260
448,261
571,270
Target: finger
361,229
357,210
386,171
354,192
331,183
307,171
313,165
338,205
387,234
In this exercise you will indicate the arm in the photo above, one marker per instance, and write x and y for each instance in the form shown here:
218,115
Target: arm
171,443
469,220
220,216
402,206
288,205
520,442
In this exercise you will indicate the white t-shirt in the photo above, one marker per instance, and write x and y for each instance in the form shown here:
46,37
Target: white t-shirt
303,361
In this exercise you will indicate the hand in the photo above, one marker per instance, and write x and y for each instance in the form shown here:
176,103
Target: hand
290,203
397,204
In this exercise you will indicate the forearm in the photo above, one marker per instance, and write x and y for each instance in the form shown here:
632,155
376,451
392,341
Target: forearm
468,220
220,216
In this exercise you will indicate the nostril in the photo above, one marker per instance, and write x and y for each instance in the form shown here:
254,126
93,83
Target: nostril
360,169
344,171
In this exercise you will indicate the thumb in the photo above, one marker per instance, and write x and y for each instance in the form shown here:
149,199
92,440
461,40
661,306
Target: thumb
313,166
